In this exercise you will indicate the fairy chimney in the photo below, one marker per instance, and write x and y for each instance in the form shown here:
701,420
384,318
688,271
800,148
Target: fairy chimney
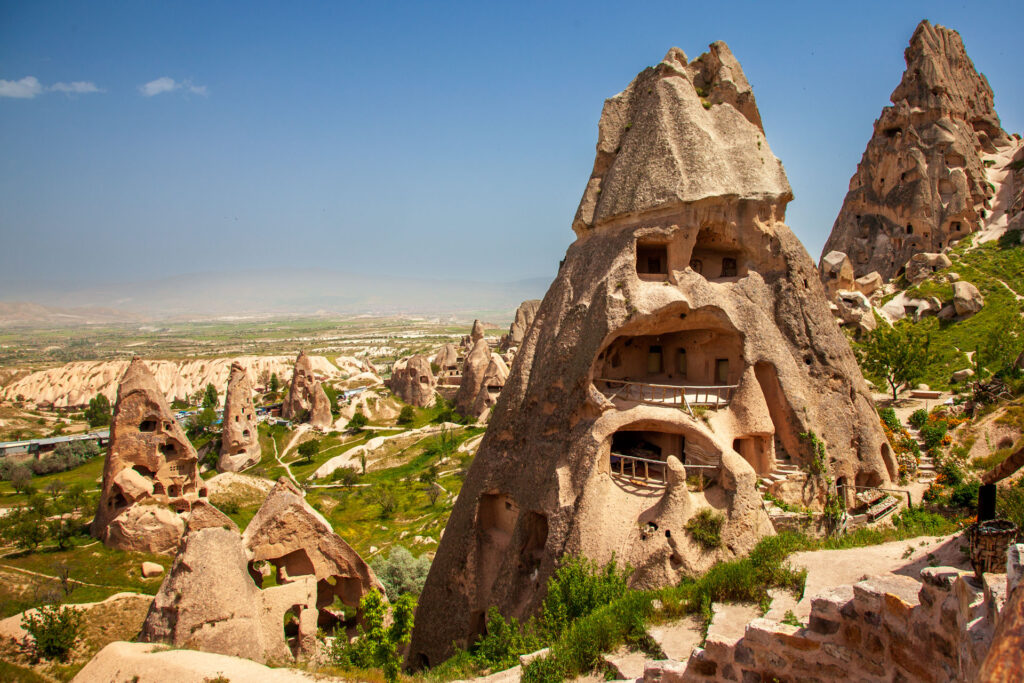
306,399
240,441
686,334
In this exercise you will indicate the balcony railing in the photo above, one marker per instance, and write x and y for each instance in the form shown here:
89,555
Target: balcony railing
679,396
652,472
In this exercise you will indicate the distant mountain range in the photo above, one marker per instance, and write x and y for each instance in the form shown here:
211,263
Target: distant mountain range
257,293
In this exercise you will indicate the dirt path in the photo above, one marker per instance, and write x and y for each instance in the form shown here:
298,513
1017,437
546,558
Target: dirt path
278,456
828,569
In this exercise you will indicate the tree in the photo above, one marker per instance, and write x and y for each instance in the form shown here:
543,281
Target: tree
898,354
98,412
54,629
210,398
203,421
400,572
308,450
356,424
275,383
384,495
26,527
406,416
377,641
21,479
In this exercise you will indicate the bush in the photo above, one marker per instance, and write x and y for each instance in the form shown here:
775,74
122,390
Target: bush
54,630
888,416
377,642
932,434
356,424
579,587
706,528
406,416
98,412
401,573
918,418
965,495
346,476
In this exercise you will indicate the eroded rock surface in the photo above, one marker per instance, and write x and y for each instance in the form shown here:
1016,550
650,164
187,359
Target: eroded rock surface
240,440
209,602
686,335
306,401
413,381
290,538
922,183
525,314
151,472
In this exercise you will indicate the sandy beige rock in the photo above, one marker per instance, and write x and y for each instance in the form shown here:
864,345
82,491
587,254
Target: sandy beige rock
685,281
474,369
151,569
922,266
240,440
921,183
293,537
836,272
868,284
203,515
208,602
525,314
73,384
150,473
306,401
150,663
413,381
967,300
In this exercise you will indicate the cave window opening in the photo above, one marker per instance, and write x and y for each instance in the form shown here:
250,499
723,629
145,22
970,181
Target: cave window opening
681,363
147,426
654,359
721,370
651,259
910,229
697,266
956,226
168,449
728,267
246,433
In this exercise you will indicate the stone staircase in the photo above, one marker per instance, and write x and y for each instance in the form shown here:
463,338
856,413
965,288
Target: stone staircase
926,467
784,469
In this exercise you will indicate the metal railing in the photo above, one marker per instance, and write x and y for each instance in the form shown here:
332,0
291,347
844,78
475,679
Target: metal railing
651,472
684,396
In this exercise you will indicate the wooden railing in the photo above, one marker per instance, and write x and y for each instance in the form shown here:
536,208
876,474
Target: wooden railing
683,396
652,472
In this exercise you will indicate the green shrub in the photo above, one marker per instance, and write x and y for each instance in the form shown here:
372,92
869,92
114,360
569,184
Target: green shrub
932,434
965,495
406,416
505,641
706,528
401,573
377,642
1010,503
918,418
54,630
577,588
356,424
346,476
888,416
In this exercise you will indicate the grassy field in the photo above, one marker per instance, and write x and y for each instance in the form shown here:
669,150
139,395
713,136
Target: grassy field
987,266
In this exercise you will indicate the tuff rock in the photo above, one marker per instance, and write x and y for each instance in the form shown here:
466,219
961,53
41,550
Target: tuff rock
240,441
413,381
306,399
683,281
921,183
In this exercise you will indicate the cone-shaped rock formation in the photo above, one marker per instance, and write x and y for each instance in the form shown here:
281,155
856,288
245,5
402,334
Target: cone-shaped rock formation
525,314
686,333
922,182
240,441
149,458
413,381
306,399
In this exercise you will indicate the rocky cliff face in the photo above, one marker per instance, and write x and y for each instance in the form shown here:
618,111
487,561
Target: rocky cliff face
525,314
240,441
150,460
413,381
922,181
306,399
686,335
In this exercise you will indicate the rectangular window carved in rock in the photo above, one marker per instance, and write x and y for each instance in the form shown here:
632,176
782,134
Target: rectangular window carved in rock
728,267
722,371
654,360
681,364
651,259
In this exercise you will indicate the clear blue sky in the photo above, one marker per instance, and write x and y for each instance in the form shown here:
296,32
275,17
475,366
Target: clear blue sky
419,138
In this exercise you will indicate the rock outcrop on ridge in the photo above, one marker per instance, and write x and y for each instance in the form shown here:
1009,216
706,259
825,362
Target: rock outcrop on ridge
208,602
687,334
413,381
240,440
151,472
306,399
288,537
483,376
922,182
525,314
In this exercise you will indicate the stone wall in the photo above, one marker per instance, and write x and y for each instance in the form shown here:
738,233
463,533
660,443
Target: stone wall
882,629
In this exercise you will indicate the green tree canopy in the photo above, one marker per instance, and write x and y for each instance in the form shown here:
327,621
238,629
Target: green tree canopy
897,354
210,398
98,412
308,450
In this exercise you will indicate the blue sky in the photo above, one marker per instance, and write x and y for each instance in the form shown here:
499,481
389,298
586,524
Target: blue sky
416,139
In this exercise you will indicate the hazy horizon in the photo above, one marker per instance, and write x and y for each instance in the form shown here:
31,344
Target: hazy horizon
406,142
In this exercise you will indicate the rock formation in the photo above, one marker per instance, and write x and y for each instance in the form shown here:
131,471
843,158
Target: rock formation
208,602
525,314
686,320
240,440
306,399
413,381
447,362
922,183
483,376
299,543
151,473
836,272
476,333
